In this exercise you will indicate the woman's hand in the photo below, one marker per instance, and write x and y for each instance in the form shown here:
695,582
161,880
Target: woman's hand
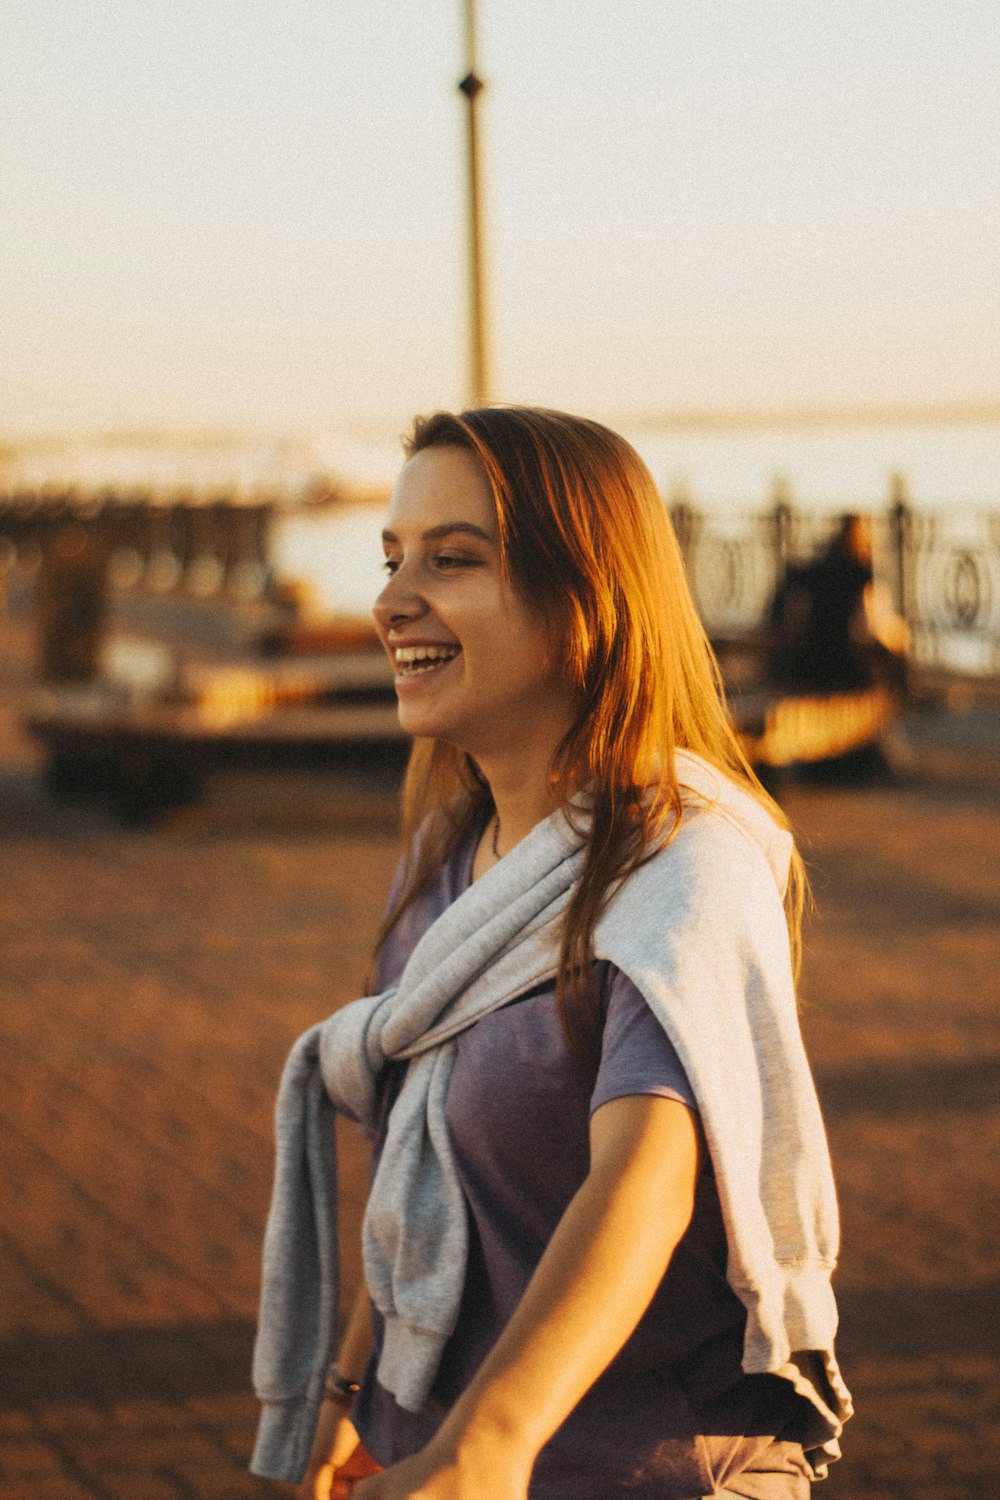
432,1475
335,1442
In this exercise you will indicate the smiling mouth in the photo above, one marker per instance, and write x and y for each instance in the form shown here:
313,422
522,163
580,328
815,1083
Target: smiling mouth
414,661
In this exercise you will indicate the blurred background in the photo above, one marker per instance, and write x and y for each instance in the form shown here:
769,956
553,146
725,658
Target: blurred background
244,245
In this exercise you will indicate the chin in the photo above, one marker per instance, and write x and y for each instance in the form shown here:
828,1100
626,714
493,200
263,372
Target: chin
421,725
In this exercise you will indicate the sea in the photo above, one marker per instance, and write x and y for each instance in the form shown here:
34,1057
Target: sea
947,471
951,471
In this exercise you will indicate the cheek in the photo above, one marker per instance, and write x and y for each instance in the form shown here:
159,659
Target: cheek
552,663
535,645
555,650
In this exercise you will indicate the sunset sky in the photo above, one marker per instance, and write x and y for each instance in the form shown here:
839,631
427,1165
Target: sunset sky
232,213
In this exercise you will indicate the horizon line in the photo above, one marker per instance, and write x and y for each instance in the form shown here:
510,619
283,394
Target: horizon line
774,419
683,419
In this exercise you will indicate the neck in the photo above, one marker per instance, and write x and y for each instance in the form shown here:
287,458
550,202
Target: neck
522,797
518,809
517,775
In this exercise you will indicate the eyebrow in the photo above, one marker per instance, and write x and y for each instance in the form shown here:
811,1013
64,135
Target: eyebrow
447,528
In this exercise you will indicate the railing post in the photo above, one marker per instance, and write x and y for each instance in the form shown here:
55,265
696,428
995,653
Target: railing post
685,524
70,597
781,522
901,532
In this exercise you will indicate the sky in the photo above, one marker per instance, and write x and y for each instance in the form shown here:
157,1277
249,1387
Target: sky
226,213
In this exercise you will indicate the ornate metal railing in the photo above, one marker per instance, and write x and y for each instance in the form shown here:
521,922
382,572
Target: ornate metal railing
199,547
947,587
942,568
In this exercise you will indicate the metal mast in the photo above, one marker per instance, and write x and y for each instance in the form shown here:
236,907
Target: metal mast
472,86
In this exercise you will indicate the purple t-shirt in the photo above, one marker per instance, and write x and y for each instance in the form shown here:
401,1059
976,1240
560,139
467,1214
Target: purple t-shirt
673,1415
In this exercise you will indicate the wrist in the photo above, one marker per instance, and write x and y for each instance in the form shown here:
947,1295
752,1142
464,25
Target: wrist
339,1388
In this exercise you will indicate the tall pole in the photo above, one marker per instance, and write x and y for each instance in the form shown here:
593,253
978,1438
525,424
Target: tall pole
472,86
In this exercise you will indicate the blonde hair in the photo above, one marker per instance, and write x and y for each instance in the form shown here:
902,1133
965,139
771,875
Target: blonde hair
585,537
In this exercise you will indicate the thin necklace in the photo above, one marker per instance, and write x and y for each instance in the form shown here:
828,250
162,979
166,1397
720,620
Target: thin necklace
496,838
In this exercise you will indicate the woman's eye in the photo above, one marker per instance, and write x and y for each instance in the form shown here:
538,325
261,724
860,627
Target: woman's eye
443,562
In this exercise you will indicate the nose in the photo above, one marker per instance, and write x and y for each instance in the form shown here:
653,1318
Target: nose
399,602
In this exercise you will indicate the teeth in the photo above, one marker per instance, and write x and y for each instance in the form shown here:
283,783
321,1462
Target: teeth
423,658
424,653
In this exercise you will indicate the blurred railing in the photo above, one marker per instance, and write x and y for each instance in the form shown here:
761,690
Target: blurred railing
199,562
198,547
946,568
942,569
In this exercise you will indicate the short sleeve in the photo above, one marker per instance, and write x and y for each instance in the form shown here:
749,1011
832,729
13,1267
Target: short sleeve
637,1056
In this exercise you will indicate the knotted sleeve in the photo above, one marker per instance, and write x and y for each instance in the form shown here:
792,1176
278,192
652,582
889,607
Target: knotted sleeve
298,1308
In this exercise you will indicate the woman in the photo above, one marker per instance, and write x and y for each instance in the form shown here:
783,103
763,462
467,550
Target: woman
601,1224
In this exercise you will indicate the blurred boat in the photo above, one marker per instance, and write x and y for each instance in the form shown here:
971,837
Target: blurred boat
181,682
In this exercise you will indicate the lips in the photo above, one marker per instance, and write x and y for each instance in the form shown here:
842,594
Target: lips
413,661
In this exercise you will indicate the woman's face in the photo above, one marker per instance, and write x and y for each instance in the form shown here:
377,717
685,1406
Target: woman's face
475,663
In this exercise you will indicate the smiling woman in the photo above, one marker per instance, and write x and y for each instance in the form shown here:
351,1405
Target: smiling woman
601,1224
476,662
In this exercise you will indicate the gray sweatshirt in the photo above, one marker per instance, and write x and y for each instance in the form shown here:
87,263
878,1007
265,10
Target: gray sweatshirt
700,931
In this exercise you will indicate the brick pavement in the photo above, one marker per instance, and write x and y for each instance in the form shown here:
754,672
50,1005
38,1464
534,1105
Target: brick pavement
150,985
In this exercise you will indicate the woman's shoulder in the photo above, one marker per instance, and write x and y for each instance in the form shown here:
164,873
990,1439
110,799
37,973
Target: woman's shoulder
717,885
726,833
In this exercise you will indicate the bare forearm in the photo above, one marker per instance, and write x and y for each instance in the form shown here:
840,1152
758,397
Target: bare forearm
591,1287
336,1438
356,1344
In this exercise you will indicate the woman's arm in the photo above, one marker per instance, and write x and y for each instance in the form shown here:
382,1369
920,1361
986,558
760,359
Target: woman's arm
589,1290
356,1345
336,1438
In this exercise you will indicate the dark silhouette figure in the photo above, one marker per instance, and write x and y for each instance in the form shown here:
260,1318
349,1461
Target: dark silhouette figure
822,639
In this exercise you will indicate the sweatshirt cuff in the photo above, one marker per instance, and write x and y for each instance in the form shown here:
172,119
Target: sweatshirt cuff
285,1437
409,1363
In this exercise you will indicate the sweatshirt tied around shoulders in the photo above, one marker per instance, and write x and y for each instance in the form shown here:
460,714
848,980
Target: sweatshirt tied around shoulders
699,929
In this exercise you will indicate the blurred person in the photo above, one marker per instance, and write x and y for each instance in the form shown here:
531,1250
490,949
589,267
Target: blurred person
601,1222
833,625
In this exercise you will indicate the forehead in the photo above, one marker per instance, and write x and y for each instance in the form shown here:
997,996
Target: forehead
438,486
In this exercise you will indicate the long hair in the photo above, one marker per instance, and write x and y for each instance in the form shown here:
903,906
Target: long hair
585,538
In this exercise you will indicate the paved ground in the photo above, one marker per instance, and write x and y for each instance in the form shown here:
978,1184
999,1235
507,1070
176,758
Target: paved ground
151,983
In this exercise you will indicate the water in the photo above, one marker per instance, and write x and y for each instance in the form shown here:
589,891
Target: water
950,470
827,469
945,465
954,470
944,468
334,556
